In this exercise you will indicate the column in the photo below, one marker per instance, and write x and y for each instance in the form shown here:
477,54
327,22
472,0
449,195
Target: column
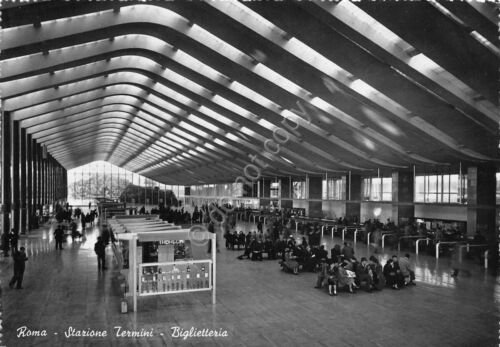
403,207
285,191
6,179
65,186
50,175
315,196
353,198
481,207
36,176
29,178
16,183
43,177
23,186
265,192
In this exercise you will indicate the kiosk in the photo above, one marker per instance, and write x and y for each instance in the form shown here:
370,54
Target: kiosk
167,262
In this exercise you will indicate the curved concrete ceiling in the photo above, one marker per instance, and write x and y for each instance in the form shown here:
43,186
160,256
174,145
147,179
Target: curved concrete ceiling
188,93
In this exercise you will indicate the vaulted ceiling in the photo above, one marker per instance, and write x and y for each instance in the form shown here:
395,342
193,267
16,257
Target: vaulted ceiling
193,92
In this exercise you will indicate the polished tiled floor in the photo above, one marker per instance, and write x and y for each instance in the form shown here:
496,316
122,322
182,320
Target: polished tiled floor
257,304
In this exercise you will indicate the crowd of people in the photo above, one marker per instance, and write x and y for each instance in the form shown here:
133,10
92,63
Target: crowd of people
352,274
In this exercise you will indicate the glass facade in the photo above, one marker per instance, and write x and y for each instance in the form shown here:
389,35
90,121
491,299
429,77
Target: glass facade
334,189
233,193
441,189
102,180
377,188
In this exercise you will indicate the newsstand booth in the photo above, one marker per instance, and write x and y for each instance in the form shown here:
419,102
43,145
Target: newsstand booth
166,262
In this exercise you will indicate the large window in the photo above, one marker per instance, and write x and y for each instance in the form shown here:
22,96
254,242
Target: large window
333,189
441,189
377,188
299,190
102,180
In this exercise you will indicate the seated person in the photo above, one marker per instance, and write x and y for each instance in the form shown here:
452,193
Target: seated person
335,253
364,274
74,233
348,251
318,253
322,274
378,274
304,257
345,277
234,240
406,272
241,240
279,247
392,273
289,262
257,249
322,253
269,248
248,249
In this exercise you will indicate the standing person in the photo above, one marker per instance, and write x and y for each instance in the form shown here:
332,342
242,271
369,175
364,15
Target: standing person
83,221
90,205
14,237
19,266
5,243
100,250
59,235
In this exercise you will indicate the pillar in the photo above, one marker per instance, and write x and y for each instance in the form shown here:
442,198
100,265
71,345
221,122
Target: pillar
353,198
6,179
315,188
24,221
39,178
265,192
29,179
403,207
481,207
65,186
43,177
16,182
36,176
285,192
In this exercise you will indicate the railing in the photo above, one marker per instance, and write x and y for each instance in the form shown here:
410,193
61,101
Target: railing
383,238
325,226
444,243
409,237
418,241
467,246
349,229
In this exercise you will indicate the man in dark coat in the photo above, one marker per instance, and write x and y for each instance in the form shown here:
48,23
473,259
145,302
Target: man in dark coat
100,250
59,236
19,266
348,251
